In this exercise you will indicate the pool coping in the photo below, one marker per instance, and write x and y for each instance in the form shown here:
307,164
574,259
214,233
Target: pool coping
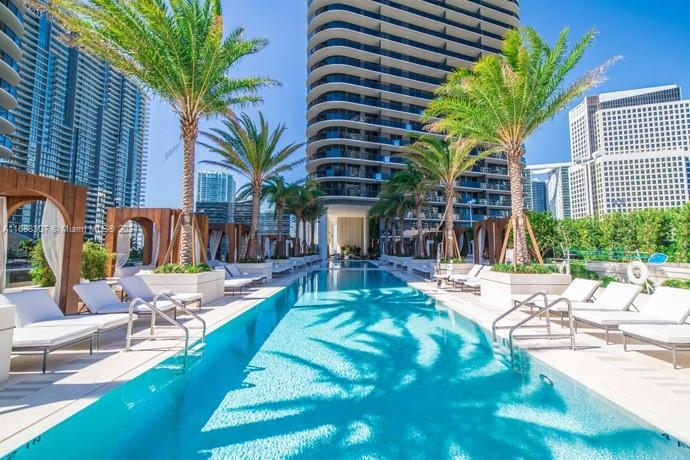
37,421
667,413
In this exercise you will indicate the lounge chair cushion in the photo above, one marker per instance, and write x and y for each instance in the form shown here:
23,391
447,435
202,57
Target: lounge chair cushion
620,295
33,306
670,303
234,271
135,286
666,333
236,283
100,322
99,298
49,336
186,297
614,318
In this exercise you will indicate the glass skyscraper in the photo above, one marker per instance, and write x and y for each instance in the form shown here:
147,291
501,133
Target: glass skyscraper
11,30
78,120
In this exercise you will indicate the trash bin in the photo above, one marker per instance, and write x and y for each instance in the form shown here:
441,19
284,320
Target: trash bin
6,332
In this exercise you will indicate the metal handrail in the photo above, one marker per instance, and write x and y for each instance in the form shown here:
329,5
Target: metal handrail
494,325
546,307
154,311
182,307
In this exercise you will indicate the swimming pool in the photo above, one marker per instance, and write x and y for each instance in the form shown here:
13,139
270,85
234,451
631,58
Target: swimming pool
350,364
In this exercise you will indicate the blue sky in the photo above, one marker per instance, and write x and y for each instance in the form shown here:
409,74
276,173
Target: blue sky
652,37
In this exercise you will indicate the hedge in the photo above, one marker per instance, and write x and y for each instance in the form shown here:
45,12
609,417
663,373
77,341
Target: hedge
617,235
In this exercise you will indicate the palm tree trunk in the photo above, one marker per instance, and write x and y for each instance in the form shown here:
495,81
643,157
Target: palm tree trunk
298,249
521,254
279,216
420,240
449,238
190,130
312,225
254,230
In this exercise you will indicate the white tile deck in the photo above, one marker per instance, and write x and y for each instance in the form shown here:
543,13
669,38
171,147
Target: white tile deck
643,382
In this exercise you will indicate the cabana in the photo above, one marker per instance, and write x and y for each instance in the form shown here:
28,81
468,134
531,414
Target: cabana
235,234
62,226
488,239
160,228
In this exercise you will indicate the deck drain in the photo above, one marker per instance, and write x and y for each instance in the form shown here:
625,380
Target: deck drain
546,380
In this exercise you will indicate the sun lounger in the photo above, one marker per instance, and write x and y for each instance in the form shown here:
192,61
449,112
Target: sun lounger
579,290
99,299
674,337
422,270
232,270
472,275
46,339
666,306
136,287
615,297
233,285
35,308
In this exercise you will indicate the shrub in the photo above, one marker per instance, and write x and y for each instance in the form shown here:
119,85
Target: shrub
680,284
93,261
41,274
530,269
579,270
279,258
606,280
251,260
183,268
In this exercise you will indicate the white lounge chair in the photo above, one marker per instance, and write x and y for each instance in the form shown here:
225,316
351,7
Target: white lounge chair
674,337
234,284
99,299
666,306
472,275
615,297
234,272
46,339
579,290
135,287
35,308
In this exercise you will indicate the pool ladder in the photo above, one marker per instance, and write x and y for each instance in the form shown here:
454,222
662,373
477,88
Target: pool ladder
172,320
533,314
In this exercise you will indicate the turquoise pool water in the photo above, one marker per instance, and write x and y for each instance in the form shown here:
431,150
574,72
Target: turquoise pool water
350,364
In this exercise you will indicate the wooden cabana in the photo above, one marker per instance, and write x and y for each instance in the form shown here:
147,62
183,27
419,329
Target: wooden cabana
488,237
166,220
234,234
21,188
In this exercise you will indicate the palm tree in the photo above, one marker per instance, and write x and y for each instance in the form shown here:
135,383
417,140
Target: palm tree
381,210
312,213
251,150
277,191
445,161
413,182
300,196
177,51
393,205
505,98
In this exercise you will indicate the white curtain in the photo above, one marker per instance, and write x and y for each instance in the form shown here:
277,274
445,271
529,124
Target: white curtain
214,240
461,243
197,246
156,242
480,243
122,246
53,241
3,242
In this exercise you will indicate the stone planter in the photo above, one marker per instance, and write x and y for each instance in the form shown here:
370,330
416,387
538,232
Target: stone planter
6,333
498,287
257,269
211,285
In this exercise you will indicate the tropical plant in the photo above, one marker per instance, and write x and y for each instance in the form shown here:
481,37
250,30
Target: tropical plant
312,213
183,268
302,195
394,205
41,274
505,98
277,191
253,151
531,269
94,258
444,161
177,50
413,182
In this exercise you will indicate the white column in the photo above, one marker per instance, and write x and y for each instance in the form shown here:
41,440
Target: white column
365,246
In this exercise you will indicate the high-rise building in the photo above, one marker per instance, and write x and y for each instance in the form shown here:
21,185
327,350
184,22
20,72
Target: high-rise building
373,66
11,31
215,187
631,150
268,224
78,120
539,201
555,182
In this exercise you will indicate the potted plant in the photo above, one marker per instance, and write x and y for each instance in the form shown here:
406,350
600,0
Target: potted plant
505,280
187,278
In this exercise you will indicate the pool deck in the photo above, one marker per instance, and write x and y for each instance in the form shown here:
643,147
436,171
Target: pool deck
643,381
31,402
